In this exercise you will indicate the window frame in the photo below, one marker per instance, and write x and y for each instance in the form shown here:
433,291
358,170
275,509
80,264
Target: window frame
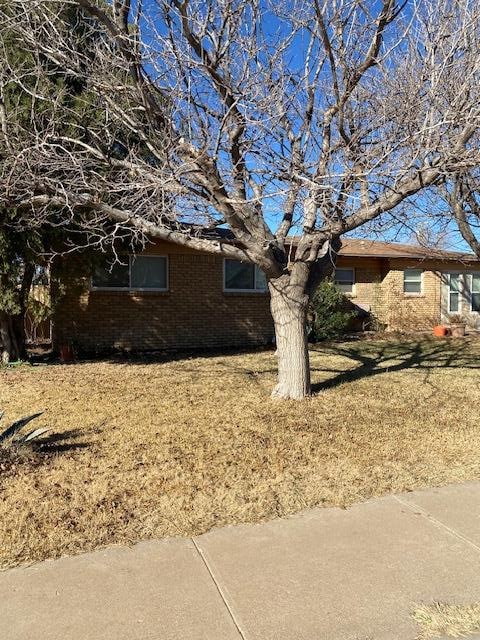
471,291
354,280
414,293
458,292
140,289
254,290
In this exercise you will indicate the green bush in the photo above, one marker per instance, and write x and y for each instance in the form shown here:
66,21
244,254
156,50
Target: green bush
330,315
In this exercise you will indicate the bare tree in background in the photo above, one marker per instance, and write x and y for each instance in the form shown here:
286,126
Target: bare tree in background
305,118
461,192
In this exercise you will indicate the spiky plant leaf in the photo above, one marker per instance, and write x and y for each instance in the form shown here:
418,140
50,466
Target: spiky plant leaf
36,433
16,426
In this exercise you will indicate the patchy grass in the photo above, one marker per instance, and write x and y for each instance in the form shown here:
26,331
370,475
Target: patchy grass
447,620
175,448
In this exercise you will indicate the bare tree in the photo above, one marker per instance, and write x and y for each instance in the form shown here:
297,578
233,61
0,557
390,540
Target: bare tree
288,123
25,242
461,192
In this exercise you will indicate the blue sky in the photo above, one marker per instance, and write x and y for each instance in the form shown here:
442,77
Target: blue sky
391,231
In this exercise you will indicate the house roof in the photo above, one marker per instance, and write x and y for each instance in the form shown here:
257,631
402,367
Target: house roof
367,248
376,249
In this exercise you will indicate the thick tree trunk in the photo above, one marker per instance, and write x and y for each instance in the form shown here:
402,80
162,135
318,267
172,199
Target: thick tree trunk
12,338
289,305
18,323
12,327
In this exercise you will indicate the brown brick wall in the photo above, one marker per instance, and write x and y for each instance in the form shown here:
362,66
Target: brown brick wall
194,313
401,310
368,277
379,286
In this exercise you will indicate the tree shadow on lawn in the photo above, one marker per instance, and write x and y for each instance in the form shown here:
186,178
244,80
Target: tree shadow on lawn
374,358
371,357
63,442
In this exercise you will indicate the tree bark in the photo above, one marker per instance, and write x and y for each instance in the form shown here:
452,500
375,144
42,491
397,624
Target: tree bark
12,338
12,326
289,304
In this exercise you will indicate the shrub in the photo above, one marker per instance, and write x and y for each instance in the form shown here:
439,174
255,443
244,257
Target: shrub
456,318
330,313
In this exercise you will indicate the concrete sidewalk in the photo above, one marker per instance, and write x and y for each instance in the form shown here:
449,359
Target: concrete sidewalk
325,574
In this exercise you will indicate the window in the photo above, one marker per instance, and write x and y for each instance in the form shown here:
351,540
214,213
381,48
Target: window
454,293
137,273
243,276
475,292
111,276
148,272
412,281
345,279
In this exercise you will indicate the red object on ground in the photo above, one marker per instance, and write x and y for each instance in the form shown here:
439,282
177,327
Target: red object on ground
440,331
67,353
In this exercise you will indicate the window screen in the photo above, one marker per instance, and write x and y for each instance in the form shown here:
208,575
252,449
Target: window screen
454,293
412,281
345,279
243,276
148,272
115,276
139,272
476,292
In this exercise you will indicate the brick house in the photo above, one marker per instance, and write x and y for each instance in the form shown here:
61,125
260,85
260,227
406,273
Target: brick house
408,287
172,297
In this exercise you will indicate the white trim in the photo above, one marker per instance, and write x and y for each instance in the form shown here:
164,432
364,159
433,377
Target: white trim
254,290
139,289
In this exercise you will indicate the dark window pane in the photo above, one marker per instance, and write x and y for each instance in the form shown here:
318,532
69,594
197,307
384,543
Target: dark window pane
412,281
115,275
239,275
412,287
454,282
345,279
453,302
345,287
476,283
476,302
149,272
344,275
260,280
412,274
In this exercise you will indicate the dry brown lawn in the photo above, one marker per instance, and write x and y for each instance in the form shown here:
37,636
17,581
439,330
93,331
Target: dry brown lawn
442,620
175,448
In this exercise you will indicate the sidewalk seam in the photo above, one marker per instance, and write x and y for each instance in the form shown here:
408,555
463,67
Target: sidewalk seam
413,506
219,588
